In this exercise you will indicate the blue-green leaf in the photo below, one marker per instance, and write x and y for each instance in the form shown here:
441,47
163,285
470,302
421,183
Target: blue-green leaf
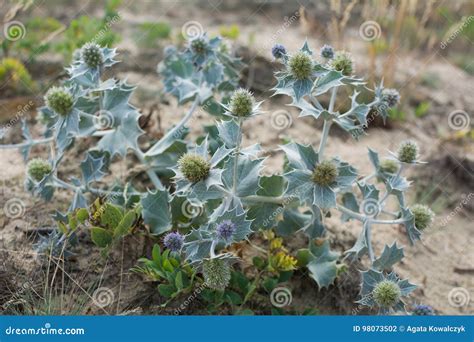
156,212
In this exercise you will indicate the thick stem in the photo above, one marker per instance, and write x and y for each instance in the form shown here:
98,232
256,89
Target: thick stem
322,143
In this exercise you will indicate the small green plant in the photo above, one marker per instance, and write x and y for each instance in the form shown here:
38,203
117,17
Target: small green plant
14,77
231,32
149,34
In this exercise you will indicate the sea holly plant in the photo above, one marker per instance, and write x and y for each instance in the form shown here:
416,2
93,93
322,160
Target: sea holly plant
204,198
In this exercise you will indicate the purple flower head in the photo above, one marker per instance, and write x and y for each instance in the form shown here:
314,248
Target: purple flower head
174,241
278,51
225,230
327,52
423,310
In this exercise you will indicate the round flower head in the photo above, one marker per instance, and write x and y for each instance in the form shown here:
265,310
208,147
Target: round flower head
92,55
195,168
424,216
38,168
408,152
300,65
389,166
225,230
327,52
423,310
216,273
325,173
199,46
278,51
60,100
391,97
386,293
343,62
173,241
241,103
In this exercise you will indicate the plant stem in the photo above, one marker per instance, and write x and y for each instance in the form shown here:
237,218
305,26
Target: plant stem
322,143
151,174
236,160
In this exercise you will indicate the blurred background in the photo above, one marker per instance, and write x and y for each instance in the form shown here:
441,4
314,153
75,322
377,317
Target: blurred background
424,49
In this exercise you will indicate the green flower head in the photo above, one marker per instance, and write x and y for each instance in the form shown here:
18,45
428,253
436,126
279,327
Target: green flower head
389,166
60,100
92,55
408,152
195,168
325,173
38,168
343,62
199,46
386,293
424,216
241,103
300,65
216,273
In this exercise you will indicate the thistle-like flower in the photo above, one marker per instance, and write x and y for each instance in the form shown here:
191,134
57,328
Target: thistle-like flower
194,167
225,230
60,100
92,55
174,241
423,310
199,45
391,97
389,166
38,168
386,294
300,65
327,52
278,51
424,216
216,273
325,173
343,62
408,152
241,103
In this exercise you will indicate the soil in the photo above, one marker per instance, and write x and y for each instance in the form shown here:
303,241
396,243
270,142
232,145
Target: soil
443,262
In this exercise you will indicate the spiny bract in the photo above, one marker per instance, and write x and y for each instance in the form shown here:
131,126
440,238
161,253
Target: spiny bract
60,100
386,293
325,173
195,168
38,168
